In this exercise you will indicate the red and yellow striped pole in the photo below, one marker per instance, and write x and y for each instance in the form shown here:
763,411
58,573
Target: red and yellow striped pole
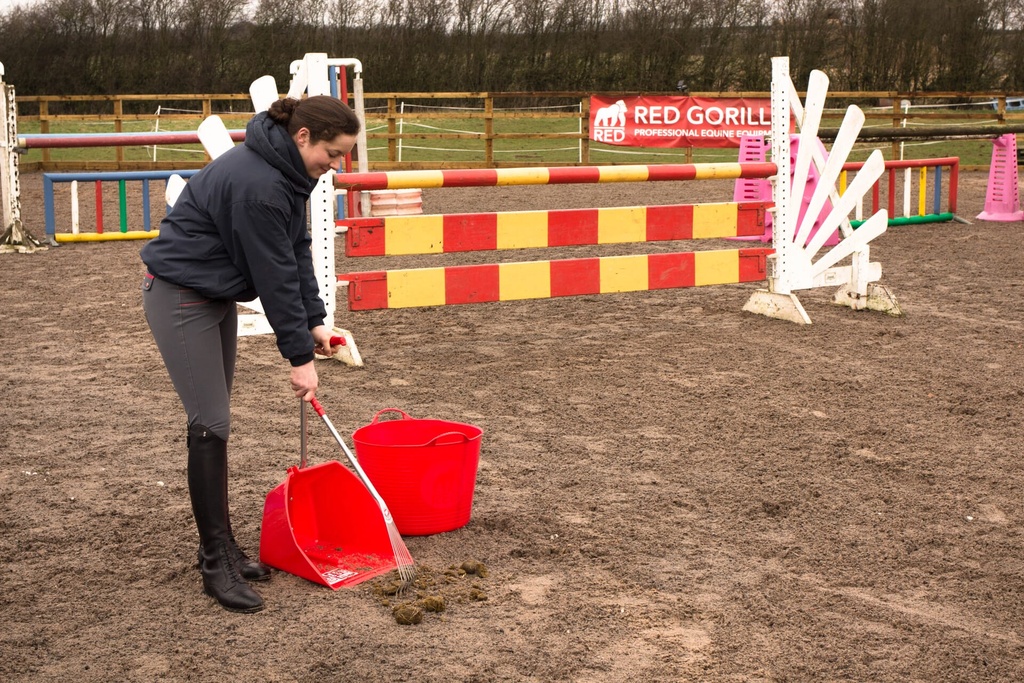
489,177
446,233
405,288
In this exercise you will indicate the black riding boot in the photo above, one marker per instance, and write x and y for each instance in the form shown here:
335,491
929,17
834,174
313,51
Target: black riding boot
250,569
207,485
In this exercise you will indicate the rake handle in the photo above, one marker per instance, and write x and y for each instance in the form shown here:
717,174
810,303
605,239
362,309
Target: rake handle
302,429
352,460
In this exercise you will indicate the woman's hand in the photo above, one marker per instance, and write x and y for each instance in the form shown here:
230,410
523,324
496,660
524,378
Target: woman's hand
322,340
304,381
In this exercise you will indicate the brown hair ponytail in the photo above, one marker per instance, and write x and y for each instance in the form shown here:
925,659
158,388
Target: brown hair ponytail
326,117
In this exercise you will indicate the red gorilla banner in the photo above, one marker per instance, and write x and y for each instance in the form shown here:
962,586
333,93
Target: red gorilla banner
677,121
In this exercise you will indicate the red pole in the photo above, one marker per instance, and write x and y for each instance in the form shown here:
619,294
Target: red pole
892,191
99,207
54,141
489,177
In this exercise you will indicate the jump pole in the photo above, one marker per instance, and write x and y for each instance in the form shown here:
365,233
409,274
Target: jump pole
490,177
64,140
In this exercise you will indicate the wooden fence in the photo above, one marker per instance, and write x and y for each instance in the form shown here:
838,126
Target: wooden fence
390,119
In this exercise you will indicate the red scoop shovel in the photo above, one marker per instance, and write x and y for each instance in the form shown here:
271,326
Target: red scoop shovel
324,525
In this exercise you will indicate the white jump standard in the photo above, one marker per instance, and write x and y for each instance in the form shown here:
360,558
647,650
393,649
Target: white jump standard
793,267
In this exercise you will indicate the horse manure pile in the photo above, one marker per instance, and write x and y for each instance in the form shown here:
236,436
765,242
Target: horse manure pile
432,591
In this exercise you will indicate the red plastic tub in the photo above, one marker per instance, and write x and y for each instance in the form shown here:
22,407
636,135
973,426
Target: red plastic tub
425,470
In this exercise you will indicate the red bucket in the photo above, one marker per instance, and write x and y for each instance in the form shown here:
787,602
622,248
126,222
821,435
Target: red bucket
425,470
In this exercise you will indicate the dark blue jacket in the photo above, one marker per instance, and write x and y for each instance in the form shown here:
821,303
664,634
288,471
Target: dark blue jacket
238,231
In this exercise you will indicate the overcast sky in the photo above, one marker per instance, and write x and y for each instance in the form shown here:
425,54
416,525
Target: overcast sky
8,4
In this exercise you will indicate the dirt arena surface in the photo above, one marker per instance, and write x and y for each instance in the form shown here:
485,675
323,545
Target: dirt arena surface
670,489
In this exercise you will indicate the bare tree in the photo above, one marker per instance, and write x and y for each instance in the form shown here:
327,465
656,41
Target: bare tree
107,46
206,27
966,40
724,33
1009,22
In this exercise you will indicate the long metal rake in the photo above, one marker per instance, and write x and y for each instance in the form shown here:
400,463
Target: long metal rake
403,559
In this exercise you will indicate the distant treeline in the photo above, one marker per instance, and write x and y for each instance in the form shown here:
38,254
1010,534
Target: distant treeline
219,46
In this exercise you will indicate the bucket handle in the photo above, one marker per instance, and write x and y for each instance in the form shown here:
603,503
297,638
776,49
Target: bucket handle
376,416
460,438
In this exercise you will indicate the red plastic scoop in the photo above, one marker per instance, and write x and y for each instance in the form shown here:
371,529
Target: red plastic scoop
322,524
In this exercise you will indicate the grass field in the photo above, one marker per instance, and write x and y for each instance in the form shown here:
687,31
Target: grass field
453,139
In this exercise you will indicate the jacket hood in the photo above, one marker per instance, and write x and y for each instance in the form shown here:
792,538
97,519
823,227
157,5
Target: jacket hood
271,141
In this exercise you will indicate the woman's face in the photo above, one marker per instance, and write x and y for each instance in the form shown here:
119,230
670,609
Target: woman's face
321,156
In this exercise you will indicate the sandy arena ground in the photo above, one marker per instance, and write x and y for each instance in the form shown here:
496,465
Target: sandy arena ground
670,489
